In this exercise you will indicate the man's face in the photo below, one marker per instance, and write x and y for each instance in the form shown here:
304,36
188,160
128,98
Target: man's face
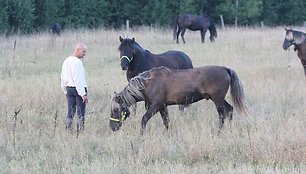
81,52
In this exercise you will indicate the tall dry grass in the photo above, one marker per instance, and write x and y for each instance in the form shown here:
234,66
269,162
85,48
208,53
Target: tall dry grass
32,108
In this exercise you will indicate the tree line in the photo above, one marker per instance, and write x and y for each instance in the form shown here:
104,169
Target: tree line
27,16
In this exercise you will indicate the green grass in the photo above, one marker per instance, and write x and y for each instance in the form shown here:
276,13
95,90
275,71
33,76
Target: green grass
271,140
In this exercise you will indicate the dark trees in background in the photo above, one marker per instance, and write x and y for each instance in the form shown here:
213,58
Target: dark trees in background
27,16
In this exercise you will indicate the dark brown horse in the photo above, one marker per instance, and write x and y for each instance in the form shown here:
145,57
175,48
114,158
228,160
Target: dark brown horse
298,39
194,23
162,86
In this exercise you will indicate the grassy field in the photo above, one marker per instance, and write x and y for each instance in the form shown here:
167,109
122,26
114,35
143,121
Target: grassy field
33,108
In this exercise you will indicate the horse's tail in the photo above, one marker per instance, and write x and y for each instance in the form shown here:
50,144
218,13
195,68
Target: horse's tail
237,92
212,29
175,26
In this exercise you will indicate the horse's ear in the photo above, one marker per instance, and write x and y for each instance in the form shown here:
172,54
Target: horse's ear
118,98
133,39
120,38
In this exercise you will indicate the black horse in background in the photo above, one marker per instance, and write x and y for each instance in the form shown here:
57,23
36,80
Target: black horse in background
56,28
194,23
298,39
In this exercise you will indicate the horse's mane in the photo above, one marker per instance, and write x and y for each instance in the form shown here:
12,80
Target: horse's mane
298,36
133,90
137,84
155,72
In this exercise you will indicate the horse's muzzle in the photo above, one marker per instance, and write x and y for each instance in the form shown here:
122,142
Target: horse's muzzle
287,44
114,125
115,129
285,47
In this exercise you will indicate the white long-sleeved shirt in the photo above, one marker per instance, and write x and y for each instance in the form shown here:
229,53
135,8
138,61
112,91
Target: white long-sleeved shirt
73,75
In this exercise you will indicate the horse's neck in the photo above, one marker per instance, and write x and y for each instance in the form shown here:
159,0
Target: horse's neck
301,50
130,99
140,53
301,47
141,61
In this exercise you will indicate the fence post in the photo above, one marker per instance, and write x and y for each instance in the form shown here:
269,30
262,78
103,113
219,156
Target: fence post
127,25
222,22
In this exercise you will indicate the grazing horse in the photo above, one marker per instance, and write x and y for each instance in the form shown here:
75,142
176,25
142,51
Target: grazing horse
298,39
162,86
194,23
56,28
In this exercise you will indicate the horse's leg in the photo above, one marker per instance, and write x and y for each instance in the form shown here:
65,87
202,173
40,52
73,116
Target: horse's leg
229,110
147,105
203,32
303,61
165,116
229,113
221,108
182,34
177,34
146,117
221,112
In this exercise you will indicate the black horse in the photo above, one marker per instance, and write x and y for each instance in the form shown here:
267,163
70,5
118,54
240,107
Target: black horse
134,59
194,23
298,39
161,87
56,28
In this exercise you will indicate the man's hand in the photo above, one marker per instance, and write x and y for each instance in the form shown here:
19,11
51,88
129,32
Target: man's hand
85,98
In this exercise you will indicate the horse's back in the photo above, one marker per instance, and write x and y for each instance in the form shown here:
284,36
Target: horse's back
209,74
193,22
194,84
174,59
206,79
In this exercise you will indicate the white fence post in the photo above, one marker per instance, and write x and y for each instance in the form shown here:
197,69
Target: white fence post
127,25
222,22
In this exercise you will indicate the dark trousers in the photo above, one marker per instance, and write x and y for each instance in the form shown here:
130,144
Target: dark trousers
75,105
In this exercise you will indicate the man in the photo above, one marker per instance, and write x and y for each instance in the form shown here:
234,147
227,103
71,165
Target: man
74,86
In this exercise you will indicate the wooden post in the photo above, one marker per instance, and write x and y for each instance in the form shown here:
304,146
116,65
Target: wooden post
261,24
222,22
236,17
127,25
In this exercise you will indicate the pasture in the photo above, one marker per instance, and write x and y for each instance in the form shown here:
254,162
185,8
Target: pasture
33,138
